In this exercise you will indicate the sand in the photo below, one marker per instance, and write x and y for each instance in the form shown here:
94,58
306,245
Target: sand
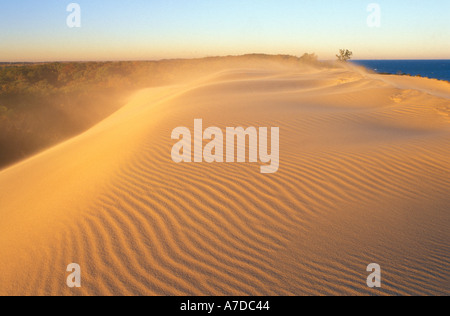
363,178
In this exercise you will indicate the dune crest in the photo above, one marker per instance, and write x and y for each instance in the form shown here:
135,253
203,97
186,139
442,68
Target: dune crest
364,177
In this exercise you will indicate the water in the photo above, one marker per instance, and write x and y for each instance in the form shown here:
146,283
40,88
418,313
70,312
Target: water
438,69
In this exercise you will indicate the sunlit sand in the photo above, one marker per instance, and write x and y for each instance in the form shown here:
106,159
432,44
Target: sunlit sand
363,177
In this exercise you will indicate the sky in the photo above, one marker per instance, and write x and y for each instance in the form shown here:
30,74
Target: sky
32,30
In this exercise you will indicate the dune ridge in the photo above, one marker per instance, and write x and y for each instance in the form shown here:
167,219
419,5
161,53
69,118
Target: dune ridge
364,177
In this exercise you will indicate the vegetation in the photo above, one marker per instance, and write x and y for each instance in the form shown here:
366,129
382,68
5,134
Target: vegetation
42,104
344,55
309,58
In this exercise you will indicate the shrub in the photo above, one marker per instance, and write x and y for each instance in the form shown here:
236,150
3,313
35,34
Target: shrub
309,58
344,55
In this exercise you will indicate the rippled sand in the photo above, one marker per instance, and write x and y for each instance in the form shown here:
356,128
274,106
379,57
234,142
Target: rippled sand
364,177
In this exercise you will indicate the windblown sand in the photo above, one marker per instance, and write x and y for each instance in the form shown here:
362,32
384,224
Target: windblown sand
364,178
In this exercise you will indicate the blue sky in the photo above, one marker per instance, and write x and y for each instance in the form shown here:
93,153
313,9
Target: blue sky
34,30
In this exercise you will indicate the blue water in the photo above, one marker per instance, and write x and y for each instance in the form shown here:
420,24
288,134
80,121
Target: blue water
438,69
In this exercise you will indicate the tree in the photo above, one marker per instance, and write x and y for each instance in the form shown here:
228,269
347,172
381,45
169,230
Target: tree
344,55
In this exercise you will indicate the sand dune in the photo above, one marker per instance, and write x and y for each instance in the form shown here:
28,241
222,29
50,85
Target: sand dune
364,177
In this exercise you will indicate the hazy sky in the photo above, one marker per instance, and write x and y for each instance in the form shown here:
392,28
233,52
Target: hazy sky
32,30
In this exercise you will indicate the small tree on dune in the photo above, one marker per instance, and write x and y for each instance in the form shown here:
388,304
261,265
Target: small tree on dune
344,55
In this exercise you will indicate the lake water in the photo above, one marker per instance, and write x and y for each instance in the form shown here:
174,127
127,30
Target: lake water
438,69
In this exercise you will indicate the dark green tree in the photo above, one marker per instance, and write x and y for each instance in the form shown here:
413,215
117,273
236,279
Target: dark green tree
344,55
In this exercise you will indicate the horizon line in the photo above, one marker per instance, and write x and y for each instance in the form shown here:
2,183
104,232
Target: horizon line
204,57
